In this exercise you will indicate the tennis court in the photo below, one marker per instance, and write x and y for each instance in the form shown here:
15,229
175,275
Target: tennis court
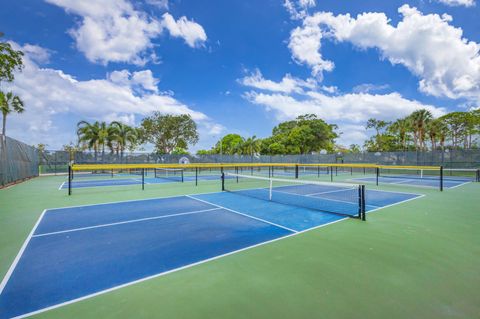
450,178
99,248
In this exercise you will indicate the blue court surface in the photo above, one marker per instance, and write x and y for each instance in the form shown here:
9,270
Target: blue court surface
88,183
415,181
78,252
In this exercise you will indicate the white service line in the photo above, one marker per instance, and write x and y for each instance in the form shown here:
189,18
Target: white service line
328,192
20,253
329,199
236,212
125,222
60,188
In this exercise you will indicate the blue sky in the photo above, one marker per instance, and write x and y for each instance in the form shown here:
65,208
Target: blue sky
239,66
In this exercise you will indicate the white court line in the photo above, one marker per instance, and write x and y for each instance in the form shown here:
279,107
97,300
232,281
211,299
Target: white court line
236,212
60,188
329,199
403,201
125,222
328,192
7,276
20,253
386,183
448,187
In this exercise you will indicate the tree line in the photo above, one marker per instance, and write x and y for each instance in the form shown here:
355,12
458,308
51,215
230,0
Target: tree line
304,135
169,134
420,131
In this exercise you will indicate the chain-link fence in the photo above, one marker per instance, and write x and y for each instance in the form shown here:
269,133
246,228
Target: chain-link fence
57,161
18,161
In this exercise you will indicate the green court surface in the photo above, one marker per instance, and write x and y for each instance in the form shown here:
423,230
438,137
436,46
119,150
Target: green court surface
418,259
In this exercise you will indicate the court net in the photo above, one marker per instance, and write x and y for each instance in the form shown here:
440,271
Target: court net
337,198
453,174
173,174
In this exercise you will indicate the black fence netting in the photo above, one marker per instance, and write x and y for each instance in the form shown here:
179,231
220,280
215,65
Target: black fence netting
53,162
18,161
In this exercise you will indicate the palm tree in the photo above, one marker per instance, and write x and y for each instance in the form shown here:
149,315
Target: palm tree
251,146
96,136
9,103
401,128
436,131
123,136
420,120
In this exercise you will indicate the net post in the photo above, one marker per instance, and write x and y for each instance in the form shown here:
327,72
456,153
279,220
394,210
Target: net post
351,170
331,173
296,171
336,170
70,175
377,174
270,190
112,173
223,182
143,179
441,178
363,198
318,171
196,175
478,175
182,174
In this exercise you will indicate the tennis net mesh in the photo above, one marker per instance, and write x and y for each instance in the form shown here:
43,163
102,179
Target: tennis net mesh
337,198
173,174
453,174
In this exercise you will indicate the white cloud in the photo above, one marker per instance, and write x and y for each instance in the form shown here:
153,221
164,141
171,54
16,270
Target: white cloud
349,111
162,4
355,108
114,31
298,9
55,101
288,84
369,87
447,64
37,53
455,3
193,33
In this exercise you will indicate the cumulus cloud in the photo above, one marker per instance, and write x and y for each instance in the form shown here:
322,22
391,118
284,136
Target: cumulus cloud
288,84
36,53
193,33
349,111
353,107
455,3
447,64
369,87
54,98
114,31
298,9
162,4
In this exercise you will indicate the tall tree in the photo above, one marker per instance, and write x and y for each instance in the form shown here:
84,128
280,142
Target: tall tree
400,128
122,136
97,136
378,126
9,103
250,146
10,61
420,120
229,144
167,132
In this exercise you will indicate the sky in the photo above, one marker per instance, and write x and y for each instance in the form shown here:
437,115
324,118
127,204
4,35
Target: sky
239,66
